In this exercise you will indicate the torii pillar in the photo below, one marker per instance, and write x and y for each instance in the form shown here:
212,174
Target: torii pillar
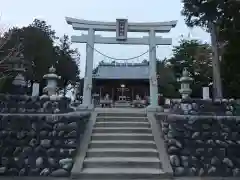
152,73
87,91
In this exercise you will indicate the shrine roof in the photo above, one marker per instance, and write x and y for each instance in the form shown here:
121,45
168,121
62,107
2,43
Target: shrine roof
122,71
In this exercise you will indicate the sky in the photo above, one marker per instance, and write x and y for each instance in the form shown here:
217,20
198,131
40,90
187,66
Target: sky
21,13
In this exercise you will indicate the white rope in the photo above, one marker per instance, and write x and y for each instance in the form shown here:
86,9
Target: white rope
122,59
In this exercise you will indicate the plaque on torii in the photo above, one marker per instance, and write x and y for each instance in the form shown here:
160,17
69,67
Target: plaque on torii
121,29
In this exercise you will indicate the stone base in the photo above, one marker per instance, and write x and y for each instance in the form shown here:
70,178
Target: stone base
82,107
151,108
55,98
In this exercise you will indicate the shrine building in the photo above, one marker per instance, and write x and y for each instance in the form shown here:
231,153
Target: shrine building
121,81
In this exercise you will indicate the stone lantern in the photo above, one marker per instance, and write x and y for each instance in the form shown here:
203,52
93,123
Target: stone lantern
17,66
185,80
51,78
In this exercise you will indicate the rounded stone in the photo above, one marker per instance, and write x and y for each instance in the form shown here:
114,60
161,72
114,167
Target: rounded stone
45,172
73,125
33,142
179,171
72,134
52,162
46,143
236,172
61,133
228,162
39,162
3,170
201,172
215,161
23,172
212,170
172,149
4,161
43,133
185,161
52,152
175,161
192,171
17,151
60,173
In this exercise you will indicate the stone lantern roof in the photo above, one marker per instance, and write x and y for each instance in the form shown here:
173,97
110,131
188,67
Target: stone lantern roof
52,74
17,63
185,76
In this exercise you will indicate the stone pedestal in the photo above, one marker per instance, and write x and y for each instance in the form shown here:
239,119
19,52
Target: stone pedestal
151,108
35,89
205,91
83,107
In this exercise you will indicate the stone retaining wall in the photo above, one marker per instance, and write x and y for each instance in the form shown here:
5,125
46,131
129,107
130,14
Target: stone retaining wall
39,145
202,145
28,104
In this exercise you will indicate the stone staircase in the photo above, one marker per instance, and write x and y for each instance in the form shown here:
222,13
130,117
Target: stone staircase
122,146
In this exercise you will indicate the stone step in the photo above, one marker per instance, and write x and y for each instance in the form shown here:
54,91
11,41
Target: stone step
118,162
122,144
121,119
122,124
124,152
121,130
122,136
122,114
121,173
122,105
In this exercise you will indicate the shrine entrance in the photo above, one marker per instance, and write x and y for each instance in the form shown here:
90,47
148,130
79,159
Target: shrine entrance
121,27
123,93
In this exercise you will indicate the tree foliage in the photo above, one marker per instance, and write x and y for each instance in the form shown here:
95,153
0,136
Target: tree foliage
167,84
201,12
65,63
226,16
196,57
39,48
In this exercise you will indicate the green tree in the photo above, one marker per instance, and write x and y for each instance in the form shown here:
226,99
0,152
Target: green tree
196,57
166,80
67,61
225,15
207,14
39,49
9,50
201,12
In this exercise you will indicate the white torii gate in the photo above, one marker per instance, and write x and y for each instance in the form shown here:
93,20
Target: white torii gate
121,27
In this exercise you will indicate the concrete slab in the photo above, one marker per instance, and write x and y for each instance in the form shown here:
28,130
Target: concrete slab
77,167
121,110
158,138
68,178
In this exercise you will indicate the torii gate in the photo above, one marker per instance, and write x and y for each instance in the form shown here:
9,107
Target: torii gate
121,27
